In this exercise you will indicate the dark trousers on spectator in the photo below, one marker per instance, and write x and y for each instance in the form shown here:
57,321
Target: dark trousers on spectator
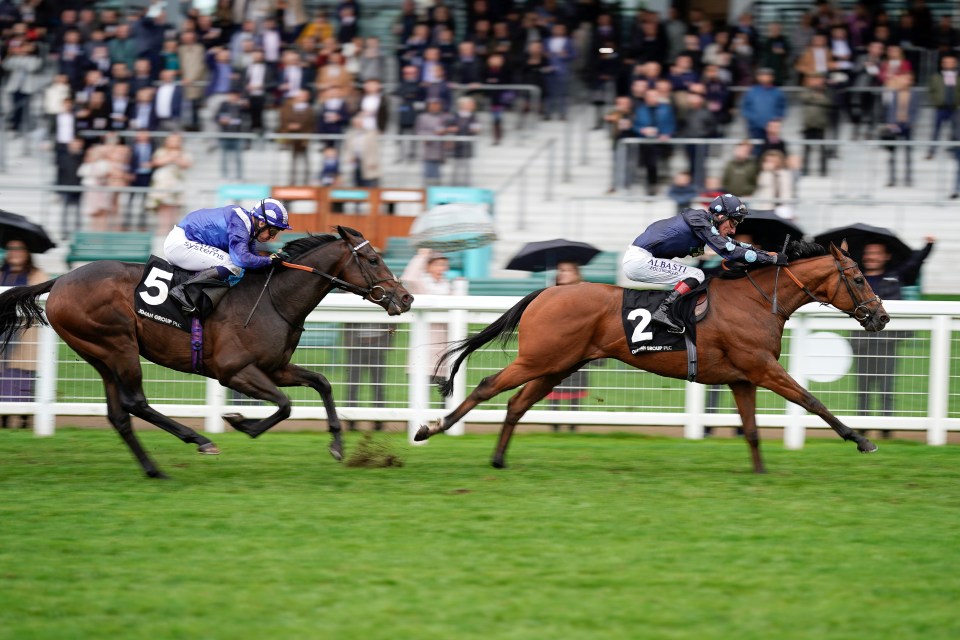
231,150
697,156
71,220
431,172
876,365
649,160
257,104
135,217
940,116
814,134
193,114
407,149
20,112
908,152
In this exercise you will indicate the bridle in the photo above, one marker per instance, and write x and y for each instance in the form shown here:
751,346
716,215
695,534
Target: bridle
373,285
860,312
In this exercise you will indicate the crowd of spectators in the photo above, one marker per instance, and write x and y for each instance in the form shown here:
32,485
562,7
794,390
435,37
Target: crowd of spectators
254,66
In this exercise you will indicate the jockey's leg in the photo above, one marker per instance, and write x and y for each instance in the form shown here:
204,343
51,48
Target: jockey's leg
209,263
664,313
179,293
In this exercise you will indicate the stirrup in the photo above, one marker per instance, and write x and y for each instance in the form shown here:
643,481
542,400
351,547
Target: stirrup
181,296
665,320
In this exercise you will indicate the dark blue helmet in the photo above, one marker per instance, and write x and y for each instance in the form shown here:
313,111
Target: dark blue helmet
728,206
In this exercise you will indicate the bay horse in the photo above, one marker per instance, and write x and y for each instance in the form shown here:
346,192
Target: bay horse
739,341
92,309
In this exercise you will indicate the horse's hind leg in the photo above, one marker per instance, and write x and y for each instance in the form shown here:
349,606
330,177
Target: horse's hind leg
745,394
519,404
129,378
514,375
292,376
120,419
780,382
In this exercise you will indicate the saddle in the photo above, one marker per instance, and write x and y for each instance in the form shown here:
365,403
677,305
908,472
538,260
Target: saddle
152,295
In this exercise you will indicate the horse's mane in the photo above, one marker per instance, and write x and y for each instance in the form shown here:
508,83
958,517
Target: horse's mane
798,250
298,247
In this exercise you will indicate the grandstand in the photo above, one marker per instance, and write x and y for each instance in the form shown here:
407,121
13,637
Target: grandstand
572,162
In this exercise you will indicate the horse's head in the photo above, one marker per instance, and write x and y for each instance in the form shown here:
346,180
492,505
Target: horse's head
853,294
370,275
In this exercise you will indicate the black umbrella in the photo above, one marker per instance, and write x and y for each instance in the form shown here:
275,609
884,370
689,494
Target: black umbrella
858,235
768,230
544,255
16,227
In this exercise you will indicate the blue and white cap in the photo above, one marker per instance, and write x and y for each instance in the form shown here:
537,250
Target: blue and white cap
728,205
272,212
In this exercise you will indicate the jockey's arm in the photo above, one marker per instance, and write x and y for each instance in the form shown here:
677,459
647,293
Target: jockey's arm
239,243
726,247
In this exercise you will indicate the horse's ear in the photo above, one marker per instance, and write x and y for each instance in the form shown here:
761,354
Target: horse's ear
839,252
342,233
843,246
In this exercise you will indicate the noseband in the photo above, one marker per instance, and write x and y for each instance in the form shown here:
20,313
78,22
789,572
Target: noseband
860,312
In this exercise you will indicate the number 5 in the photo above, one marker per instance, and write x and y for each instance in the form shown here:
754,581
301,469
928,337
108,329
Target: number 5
639,335
155,280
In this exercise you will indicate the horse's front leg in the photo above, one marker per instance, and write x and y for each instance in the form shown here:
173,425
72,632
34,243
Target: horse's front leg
774,377
252,381
294,376
745,394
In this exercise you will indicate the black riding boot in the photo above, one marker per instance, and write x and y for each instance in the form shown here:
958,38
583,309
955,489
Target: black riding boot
663,313
179,293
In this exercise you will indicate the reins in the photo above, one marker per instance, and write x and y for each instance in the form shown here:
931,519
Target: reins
855,314
334,281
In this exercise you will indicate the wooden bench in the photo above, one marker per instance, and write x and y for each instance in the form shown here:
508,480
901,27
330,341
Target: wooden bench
125,246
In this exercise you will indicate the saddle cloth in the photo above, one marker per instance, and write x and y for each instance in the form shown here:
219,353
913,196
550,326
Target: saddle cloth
644,335
152,295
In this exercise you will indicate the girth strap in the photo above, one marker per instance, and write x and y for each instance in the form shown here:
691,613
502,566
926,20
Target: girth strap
196,344
691,357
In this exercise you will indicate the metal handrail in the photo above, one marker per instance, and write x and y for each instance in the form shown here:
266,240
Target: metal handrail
521,175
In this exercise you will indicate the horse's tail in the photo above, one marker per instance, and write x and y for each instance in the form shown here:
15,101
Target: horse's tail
502,328
20,310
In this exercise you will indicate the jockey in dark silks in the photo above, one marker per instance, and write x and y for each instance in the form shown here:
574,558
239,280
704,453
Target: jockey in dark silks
650,258
220,242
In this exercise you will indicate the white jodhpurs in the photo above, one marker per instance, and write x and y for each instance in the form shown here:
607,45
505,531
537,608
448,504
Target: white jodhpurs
640,266
193,256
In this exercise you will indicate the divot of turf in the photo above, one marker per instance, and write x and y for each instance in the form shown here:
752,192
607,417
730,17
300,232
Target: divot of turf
373,453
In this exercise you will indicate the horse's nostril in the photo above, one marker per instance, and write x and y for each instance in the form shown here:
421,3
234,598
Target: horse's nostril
884,319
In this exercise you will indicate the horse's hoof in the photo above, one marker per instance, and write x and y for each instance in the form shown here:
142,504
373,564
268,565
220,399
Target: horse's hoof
336,450
422,434
498,463
156,474
232,418
867,447
208,449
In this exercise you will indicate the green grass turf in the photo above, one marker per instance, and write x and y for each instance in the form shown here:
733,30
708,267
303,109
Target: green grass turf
585,536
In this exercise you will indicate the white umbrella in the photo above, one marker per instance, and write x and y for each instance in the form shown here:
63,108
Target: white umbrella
454,227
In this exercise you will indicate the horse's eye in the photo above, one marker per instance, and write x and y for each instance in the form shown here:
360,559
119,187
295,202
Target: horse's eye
858,279
375,261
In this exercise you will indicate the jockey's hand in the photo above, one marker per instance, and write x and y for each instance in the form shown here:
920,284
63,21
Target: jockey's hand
778,258
278,257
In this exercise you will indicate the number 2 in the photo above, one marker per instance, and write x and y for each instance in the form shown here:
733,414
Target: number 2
639,335
155,280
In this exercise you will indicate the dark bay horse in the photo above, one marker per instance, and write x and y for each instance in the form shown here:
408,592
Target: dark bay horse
92,309
739,342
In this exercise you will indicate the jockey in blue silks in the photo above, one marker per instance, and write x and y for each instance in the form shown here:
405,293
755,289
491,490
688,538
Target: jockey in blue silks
650,257
217,243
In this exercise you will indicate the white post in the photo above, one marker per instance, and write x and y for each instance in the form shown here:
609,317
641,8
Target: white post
457,330
939,391
794,432
418,380
695,400
45,422
213,414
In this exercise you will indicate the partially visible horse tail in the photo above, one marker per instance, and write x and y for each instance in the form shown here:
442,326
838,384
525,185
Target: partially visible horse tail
502,328
19,310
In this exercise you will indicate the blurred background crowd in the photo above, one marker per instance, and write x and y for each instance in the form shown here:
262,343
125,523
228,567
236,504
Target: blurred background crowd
114,84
